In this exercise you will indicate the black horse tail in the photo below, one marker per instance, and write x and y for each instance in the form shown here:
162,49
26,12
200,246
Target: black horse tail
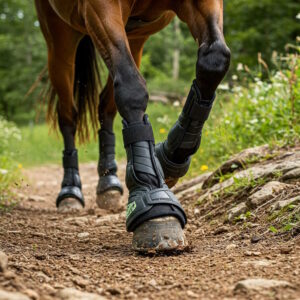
87,85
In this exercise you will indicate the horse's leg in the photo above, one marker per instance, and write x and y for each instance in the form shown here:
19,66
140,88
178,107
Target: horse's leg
62,43
205,21
109,189
154,215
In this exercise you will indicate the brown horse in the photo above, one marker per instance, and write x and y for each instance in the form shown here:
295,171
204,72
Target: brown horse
118,29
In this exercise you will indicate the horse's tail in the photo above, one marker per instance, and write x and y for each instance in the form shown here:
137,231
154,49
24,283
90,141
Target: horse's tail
87,84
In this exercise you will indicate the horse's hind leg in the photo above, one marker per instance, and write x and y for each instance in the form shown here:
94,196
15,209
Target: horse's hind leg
109,189
62,43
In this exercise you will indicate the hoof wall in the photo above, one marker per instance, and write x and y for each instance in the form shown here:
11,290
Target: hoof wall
159,235
110,200
69,205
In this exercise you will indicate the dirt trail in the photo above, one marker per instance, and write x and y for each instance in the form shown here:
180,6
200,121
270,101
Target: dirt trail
91,252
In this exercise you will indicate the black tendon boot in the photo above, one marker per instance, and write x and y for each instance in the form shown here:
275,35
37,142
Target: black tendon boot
184,138
109,189
153,214
70,196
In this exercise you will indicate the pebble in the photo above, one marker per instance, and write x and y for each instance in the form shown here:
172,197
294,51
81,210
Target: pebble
32,294
231,246
220,230
83,235
12,296
258,284
3,261
73,294
252,253
255,239
236,211
286,250
35,198
191,294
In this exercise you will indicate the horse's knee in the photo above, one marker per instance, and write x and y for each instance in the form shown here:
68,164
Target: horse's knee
212,64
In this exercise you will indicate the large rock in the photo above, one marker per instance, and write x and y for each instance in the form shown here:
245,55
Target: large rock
73,294
281,204
3,261
12,296
266,193
259,284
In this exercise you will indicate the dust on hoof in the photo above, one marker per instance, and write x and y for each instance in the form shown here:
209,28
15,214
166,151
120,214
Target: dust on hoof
110,200
170,181
159,235
69,205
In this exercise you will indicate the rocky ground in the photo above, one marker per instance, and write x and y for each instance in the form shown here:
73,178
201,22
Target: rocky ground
243,232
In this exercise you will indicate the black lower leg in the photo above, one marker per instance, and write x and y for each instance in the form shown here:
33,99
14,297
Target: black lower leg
185,137
71,184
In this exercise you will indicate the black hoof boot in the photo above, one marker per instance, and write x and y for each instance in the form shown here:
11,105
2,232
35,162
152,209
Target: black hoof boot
184,138
109,189
154,215
70,197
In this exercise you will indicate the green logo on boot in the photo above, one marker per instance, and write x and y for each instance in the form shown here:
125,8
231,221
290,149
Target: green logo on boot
130,209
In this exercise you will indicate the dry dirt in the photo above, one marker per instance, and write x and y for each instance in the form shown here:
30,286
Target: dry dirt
91,251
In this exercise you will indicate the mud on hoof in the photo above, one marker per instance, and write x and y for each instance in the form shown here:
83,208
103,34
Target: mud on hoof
159,235
110,200
69,205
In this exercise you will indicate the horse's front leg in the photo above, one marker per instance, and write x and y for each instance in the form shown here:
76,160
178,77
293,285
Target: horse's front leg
205,19
154,215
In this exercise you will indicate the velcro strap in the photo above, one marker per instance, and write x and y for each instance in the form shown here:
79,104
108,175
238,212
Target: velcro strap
137,133
70,161
199,113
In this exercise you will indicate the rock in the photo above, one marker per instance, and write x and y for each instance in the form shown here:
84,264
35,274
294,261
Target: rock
191,294
255,239
48,288
286,250
267,192
293,174
3,261
36,198
114,291
80,282
83,235
73,294
236,211
252,253
231,246
281,204
258,263
78,221
220,230
12,296
258,284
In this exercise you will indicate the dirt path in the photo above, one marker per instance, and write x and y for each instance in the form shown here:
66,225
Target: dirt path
91,252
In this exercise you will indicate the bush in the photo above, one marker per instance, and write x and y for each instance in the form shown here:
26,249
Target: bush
9,168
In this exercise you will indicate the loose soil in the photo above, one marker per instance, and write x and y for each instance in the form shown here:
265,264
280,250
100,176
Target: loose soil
91,250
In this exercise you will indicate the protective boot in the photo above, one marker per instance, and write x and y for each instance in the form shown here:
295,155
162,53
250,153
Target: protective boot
154,215
109,189
184,138
70,197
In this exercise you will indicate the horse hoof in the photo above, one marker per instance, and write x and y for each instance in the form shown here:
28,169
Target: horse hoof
170,181
110,200
159,235
69,205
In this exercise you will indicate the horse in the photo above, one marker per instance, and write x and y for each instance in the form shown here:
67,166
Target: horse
75,31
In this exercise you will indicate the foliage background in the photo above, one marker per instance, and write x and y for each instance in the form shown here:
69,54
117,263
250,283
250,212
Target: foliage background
257,103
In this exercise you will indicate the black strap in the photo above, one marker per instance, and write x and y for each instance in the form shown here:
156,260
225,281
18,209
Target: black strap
137,133
70,160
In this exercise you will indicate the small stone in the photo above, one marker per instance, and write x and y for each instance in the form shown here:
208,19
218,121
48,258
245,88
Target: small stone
48,288
258,263
153,282
192,294
252,253
284,203
236,211
9,275
107,219
286,250
12,296
260,284
83,235
40,256
80,282
36,198
73,294
196,211
255,239
3,261
293,174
